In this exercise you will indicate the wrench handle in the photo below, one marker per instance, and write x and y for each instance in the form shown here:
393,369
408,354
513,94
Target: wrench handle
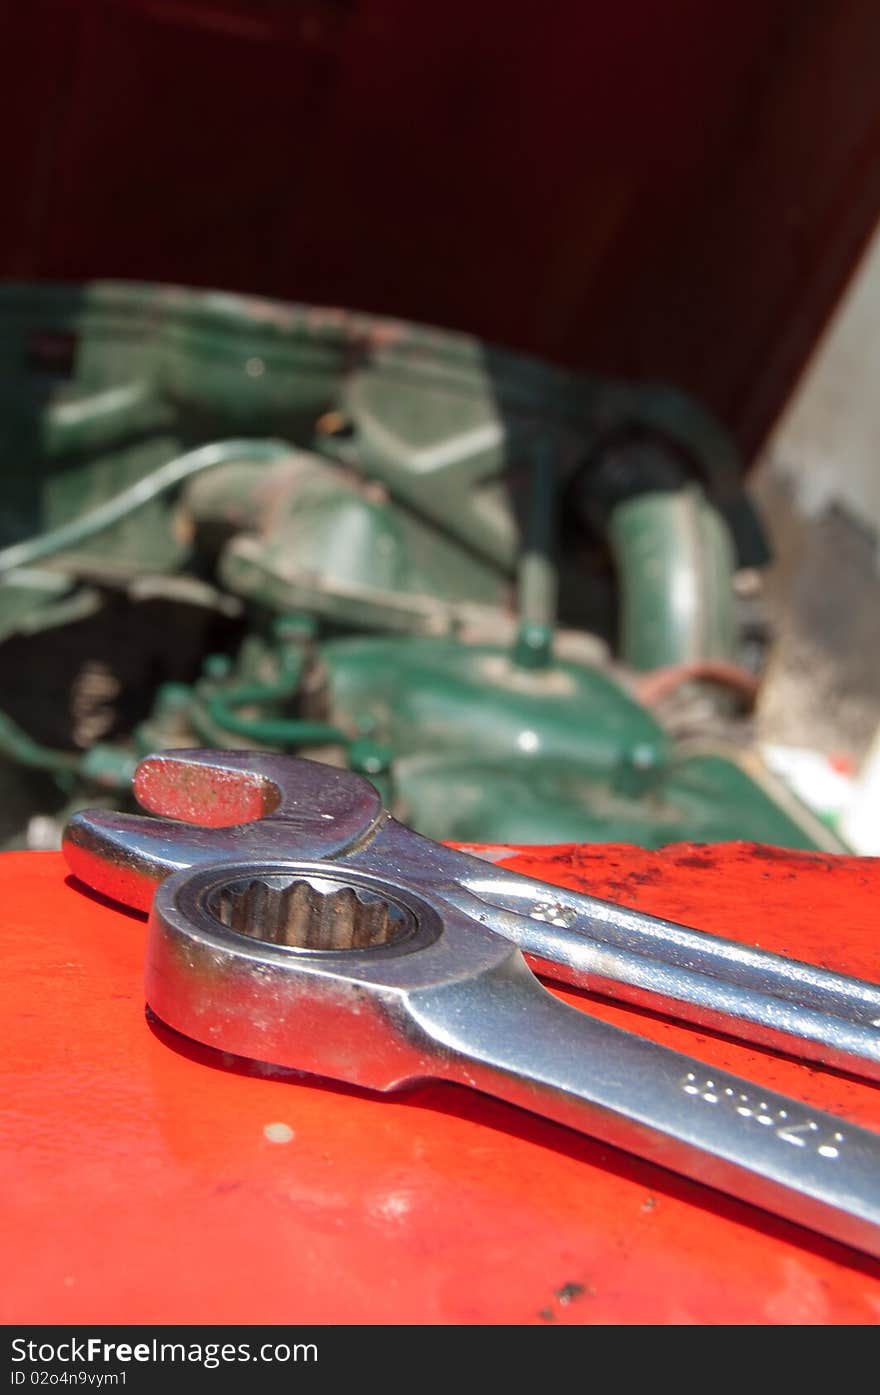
781,1003
506,1035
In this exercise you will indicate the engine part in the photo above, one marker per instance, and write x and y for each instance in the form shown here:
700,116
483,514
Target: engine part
238,522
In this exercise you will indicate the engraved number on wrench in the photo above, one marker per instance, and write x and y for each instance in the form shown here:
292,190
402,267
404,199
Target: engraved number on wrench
805,1134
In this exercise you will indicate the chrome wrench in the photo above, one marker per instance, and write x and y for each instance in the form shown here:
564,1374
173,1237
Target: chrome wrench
343,961
270,806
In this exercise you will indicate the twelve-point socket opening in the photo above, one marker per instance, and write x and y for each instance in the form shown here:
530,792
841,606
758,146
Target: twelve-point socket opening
310,912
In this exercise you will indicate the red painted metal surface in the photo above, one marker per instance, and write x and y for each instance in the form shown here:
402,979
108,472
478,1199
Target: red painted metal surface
143,1182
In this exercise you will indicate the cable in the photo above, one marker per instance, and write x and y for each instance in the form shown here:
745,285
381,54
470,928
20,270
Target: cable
173,472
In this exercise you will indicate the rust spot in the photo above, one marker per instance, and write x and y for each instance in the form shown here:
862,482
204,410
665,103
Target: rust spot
767,853
199,794
331,423
616,888
385,333
570,1291
647,878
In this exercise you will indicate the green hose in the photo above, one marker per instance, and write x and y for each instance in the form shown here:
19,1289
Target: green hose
107,766
274,731
173,472
21,748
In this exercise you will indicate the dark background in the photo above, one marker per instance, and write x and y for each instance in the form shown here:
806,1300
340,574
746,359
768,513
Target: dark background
672,189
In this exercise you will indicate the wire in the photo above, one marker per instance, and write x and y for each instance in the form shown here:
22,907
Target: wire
173,472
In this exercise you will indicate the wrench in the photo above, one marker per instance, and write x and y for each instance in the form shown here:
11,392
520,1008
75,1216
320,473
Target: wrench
359,958
270,806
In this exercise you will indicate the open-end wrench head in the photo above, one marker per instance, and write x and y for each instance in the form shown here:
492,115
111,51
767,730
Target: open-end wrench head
219,806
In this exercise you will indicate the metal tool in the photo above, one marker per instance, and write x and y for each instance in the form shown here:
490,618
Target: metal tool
296,922
313,811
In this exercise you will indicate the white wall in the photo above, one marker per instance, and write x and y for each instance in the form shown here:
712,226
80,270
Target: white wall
828,441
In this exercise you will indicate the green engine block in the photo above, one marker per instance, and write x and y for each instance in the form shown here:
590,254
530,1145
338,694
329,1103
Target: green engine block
235,522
